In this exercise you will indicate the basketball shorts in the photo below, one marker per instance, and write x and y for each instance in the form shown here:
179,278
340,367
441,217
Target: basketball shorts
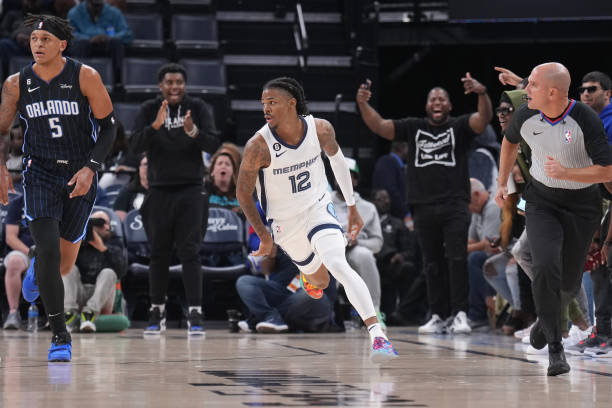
47,195
297,235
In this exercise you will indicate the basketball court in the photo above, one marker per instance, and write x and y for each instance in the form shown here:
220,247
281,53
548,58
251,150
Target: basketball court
291,370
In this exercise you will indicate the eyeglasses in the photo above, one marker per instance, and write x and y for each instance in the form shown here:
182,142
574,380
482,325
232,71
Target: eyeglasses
589,89
504,110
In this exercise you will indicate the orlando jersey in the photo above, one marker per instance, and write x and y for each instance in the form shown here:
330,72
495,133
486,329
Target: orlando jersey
295,179
59,124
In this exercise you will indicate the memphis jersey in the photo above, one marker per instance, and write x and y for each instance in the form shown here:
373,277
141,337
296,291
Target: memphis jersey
295,179
59,124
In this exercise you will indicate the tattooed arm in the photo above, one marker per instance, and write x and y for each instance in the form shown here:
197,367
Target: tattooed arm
8,109
255,156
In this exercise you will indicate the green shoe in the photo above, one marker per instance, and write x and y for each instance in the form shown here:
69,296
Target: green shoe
72,321
381,320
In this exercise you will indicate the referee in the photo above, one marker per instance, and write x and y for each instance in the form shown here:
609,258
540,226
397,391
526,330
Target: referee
569,154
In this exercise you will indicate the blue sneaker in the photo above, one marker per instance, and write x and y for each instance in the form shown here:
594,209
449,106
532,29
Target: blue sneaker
382,351
272,326
30,288
61,348
157,322
194,324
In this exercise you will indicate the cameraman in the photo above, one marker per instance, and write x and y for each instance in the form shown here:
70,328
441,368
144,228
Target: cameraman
90,285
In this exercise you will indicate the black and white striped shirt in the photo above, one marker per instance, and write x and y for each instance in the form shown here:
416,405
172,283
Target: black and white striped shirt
576,138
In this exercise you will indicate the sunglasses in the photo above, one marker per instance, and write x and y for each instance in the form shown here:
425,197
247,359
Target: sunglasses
589,89
504,110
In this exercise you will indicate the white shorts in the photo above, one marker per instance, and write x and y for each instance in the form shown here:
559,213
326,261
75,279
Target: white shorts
19,254
297,235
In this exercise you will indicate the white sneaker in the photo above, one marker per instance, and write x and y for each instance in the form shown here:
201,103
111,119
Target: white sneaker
574,336
535,352
435,325
520,334
460,324
525,339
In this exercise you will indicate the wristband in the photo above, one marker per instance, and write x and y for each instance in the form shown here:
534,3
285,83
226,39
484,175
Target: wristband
193,132
93,165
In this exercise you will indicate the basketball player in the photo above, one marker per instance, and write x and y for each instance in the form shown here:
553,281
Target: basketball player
70,128
284,159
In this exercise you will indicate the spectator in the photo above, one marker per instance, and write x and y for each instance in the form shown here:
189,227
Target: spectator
132,195
14,163
222,183
595,91
404,296
483,159
174,129
390,175
360,252
277,304
483,241
16,262
90,285
14,37
99,30
438,192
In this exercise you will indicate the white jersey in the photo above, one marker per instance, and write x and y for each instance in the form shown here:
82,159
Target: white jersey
295,179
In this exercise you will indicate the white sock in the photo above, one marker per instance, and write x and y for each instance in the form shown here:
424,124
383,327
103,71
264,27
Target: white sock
376,331
161,307
198,308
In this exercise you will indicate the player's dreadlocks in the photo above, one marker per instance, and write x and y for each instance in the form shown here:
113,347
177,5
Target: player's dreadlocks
53,24
294,89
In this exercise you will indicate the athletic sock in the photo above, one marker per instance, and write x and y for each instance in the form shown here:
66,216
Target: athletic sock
376,331
198,308
161,307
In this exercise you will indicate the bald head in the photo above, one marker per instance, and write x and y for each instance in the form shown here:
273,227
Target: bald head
101,214
554,75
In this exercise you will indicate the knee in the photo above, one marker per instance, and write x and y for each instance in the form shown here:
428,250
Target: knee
245,283
107,274
15,266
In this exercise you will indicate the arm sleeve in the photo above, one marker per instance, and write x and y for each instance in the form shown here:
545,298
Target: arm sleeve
207,137
595,139
105,140
343,176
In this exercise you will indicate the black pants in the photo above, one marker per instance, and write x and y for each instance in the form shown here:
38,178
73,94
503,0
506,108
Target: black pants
173,218
527,305
602,293
442,231
560,227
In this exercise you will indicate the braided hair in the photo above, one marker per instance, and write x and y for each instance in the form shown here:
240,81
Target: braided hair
294,89
57,26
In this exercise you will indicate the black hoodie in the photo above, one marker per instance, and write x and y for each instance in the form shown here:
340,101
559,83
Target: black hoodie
174,159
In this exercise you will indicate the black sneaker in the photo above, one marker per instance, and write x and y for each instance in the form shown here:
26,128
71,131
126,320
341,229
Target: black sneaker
536,337
194,324
157,321
593,341
87,322
72,321
557,364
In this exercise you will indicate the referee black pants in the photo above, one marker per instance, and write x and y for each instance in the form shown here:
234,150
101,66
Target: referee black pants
173,218
560,226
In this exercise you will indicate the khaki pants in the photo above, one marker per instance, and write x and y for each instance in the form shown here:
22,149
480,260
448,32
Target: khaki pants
98,298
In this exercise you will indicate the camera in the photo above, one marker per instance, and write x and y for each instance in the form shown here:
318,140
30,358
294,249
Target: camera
91,223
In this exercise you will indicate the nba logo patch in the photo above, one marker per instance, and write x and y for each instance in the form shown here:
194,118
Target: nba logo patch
278,230
40,25
568,136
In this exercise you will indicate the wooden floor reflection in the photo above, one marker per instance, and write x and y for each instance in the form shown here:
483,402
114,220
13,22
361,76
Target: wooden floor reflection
295,370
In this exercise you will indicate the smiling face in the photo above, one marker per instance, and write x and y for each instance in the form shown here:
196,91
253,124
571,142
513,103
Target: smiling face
504,114
172,87
45,46
438,105
278,106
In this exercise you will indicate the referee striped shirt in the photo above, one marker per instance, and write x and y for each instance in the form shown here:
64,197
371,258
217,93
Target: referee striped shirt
576,139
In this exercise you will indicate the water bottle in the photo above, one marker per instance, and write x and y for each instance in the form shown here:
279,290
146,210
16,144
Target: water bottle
110,31
32,318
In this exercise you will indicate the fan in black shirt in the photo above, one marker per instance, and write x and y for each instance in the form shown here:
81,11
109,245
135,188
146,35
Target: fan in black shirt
438,191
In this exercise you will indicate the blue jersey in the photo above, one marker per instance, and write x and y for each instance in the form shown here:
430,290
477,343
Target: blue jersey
59,124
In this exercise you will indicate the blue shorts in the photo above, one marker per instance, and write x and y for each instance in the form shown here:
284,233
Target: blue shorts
46,195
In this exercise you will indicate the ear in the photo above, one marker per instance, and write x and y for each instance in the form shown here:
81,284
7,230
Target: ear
63,45
608,93
292,103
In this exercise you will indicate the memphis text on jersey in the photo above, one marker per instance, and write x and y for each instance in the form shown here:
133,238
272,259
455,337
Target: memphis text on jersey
52,107
295,167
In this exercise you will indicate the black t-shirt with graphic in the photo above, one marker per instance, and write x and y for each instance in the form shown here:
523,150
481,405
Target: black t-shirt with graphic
437,163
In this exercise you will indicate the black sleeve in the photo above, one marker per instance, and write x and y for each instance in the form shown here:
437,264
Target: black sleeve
104,142
207,137
595,139
513,131
142,131
404,129
464,131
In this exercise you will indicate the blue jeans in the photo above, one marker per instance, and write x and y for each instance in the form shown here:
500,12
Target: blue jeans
503,277
479,287
269,300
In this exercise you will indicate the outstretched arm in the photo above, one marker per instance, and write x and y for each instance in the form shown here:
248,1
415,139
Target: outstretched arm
507,77
8,109
480,119
327,140
255,156
382,127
